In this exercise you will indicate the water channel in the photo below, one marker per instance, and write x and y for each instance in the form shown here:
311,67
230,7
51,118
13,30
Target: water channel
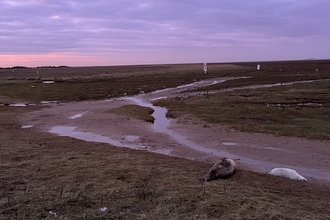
161,124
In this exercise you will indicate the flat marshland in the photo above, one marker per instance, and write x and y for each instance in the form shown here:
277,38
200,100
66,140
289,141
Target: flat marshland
43,174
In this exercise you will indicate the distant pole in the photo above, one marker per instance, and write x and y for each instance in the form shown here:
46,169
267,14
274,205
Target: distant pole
205,67
258,67
37,72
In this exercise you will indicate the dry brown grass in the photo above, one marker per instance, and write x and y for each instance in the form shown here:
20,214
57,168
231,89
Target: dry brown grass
41,172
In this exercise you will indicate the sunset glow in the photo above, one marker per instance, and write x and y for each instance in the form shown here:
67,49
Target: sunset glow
88,33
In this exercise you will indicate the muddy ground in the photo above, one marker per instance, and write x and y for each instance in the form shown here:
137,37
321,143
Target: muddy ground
252,151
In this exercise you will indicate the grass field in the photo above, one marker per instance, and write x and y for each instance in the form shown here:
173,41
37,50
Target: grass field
300,110
41,172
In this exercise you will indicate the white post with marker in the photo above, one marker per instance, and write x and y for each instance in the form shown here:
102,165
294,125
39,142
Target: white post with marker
205,67
258,67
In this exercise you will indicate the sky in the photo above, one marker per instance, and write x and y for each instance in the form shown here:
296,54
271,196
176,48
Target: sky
129,32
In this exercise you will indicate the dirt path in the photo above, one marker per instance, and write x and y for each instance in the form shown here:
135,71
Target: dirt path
185,137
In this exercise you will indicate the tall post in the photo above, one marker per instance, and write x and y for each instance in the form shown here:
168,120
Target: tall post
205,67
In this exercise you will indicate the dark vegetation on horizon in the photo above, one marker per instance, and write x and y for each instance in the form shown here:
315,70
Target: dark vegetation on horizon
24,67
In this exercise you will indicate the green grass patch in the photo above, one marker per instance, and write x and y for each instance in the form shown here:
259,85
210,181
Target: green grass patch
300,110
135,111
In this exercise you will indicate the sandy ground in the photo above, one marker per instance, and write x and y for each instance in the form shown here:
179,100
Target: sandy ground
185,137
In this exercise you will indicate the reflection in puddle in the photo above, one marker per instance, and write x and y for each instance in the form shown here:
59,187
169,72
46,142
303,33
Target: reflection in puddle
48,82
78,115
273,148
49,102
155,99
295,104
229,143
132,138
87,136
184,86
27,126
160,124
162,151
18,105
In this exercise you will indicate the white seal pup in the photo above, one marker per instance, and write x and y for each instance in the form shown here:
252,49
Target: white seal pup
223,168
287,173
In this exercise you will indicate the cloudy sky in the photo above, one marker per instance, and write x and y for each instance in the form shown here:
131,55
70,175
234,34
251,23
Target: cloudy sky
112,32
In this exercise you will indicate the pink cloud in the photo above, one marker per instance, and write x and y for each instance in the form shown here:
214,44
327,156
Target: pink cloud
55,59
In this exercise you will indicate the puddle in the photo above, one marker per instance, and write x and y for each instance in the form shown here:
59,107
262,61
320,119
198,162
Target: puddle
229,143
78,115
185,86
273,148
155,99
270,85
18,105
162,151
131,138
87,136
27,126
161,124
310,104
295,104
49,102
162,90
48,82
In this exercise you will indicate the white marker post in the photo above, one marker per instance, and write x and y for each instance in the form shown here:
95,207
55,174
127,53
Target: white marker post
205,67
258,67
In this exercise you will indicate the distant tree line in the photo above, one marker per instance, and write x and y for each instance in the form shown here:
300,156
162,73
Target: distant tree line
39,67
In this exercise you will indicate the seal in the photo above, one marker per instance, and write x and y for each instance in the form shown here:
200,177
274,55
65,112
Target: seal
223,168
287,173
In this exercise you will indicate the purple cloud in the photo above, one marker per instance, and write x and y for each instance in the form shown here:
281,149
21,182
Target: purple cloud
187,31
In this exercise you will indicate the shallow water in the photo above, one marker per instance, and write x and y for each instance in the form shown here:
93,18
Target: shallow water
132,138
78,115
48,82
91,137
18,105
161,124
49,102
229,143
27,126
88,136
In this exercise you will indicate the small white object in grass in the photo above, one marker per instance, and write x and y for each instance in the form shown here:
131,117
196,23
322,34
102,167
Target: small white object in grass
103,209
